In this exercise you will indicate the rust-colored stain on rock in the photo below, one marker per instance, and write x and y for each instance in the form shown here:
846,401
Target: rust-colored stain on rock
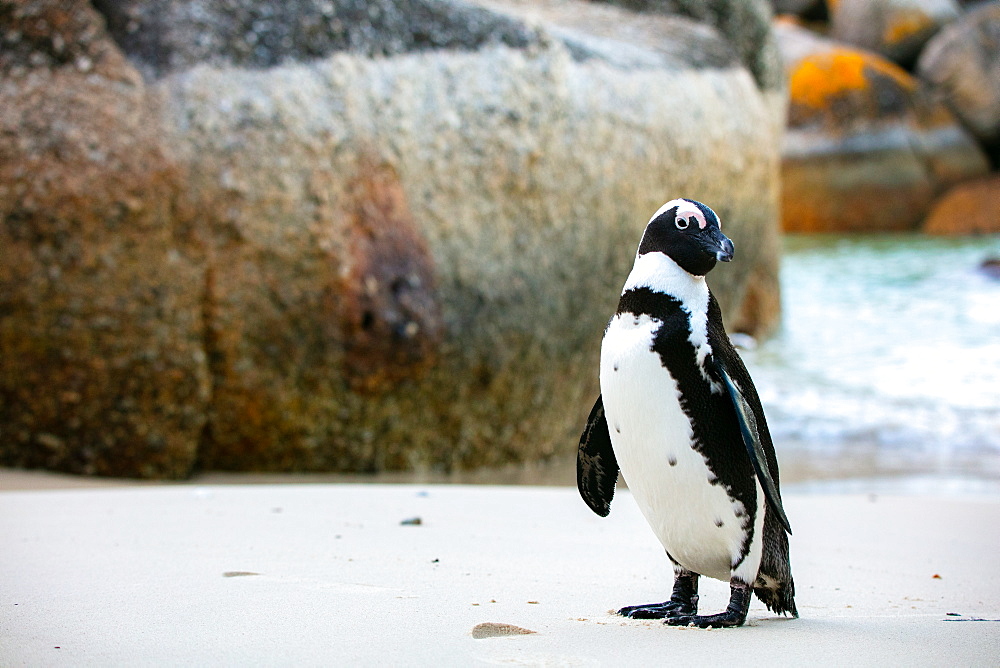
390,314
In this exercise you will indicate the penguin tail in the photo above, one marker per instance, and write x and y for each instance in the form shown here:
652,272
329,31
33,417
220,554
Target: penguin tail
775,586
778,597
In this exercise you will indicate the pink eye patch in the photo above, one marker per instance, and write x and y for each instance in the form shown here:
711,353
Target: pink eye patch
685,211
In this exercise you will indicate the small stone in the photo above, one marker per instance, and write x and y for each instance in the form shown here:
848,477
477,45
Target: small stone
991,267
50,441
498,630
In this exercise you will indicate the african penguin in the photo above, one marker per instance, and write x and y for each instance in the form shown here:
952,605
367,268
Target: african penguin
679,416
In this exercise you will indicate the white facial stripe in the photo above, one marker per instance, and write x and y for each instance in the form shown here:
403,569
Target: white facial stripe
685,209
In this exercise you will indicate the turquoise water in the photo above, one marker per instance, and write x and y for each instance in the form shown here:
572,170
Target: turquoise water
888,358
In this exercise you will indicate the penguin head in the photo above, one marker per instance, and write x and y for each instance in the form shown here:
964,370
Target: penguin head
690,234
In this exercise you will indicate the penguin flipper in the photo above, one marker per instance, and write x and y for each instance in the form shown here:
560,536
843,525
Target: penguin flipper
596,465
751,439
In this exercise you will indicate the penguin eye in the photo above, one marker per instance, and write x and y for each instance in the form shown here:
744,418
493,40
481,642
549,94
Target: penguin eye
682,223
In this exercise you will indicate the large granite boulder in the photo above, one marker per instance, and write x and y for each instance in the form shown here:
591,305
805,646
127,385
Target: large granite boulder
962,66
867,149
305,258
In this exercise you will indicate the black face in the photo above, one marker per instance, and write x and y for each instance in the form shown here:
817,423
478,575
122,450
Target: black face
689,233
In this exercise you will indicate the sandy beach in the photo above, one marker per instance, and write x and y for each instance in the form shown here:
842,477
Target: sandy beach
348,574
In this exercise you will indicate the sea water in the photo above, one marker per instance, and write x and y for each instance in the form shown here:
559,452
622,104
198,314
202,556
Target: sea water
887,361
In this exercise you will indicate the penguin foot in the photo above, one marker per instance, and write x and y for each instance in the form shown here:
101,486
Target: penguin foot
665,610
683,601
719,621
735,614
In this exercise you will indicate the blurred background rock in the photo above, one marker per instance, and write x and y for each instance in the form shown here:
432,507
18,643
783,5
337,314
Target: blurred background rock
335,235
870,145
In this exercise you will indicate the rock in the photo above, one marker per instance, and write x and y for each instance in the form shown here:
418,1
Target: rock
962,66
801,8
896,29
530,197
498,630
866,147
990,267
175,35
329,261
744,24
606,31
103,368
968,208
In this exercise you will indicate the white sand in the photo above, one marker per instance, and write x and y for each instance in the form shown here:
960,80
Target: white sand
328,575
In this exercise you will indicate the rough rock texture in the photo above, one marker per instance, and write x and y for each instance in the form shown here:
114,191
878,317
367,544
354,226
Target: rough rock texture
968,208
103,369
175,35
896,29
479,144
625,38
745,25
345,263
962,65
866,149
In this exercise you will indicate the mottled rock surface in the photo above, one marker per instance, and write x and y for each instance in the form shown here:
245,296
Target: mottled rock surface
972,207
174,35
896,29
744,24
478,144
962,65
867,149
315,259
103,368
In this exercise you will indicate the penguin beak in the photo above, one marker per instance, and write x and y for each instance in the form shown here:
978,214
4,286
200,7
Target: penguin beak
722,247
725,253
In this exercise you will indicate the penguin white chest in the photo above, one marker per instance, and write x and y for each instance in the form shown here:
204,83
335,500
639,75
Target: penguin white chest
695,520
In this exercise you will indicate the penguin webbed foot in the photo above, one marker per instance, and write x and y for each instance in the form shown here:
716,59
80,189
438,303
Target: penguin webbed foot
722,620
665,610
683,601
735,614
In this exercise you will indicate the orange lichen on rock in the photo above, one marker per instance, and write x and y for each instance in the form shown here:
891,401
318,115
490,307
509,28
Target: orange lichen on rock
819,78
905,25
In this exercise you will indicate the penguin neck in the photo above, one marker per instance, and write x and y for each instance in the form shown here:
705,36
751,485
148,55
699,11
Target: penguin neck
659,273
